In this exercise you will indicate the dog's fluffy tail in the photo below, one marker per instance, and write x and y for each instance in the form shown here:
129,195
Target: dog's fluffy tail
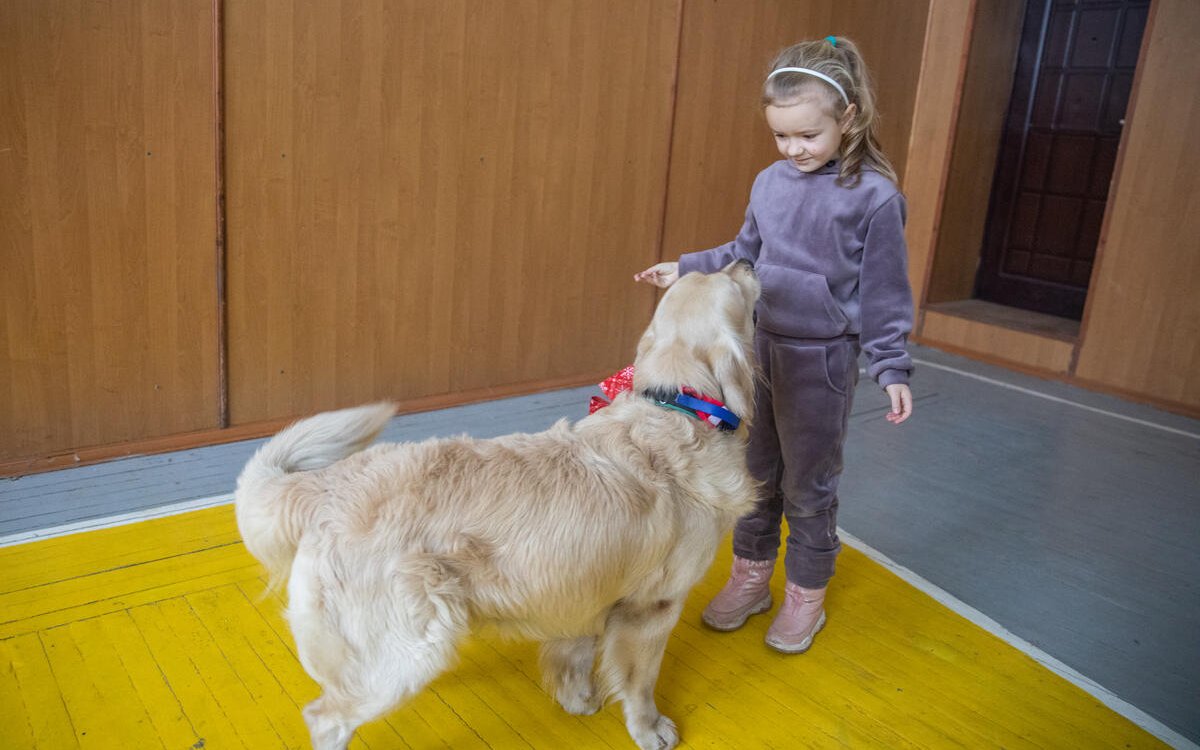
267,514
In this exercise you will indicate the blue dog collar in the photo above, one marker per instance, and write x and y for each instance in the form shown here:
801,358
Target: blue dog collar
716,415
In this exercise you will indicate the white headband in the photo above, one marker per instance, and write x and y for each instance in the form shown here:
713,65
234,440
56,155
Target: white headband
814,73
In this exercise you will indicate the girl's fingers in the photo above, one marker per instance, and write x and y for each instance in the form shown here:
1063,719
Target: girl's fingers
901,398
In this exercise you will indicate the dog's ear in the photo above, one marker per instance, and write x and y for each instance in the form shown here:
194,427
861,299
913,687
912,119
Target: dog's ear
742,271
645,342
733,367
735,376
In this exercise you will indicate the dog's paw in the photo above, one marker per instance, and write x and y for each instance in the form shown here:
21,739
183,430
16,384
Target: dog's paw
580,700
660,735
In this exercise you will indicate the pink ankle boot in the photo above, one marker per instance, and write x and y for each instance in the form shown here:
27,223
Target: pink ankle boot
800,616
747,592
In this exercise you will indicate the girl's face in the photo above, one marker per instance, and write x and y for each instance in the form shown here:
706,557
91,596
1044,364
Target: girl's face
805,133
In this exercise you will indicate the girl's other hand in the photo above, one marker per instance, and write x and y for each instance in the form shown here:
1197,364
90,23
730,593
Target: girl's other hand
660,275
902,402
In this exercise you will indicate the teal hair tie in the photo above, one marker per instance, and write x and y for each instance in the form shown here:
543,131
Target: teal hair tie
832,40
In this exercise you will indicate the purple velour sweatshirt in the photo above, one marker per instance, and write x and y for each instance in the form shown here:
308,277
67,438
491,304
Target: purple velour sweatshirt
832,261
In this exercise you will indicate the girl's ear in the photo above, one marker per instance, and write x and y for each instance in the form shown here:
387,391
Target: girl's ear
848,117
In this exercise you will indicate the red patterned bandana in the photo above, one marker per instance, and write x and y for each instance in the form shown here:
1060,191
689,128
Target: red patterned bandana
621,380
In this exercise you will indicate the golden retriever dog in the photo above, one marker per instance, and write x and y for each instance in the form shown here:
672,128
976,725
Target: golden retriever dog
586,537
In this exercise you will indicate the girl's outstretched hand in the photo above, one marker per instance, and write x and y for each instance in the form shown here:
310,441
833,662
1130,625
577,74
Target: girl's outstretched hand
902,402
660,275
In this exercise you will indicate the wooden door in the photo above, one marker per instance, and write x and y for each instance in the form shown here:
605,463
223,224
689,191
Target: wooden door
1074,73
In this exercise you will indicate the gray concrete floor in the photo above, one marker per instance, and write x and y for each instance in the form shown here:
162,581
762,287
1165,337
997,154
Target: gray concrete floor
1070,518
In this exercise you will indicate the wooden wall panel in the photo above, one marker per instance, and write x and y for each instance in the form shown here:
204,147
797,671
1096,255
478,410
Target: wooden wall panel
943,64
429,198
891,37
107,159
720,139
1141,328
987,87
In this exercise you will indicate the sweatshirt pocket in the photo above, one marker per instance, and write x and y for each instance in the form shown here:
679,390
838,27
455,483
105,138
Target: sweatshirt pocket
798,303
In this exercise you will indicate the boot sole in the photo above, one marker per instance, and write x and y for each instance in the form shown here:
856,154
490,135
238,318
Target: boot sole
802,646
763,605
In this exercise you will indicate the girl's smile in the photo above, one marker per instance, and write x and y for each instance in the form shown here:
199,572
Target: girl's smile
805,133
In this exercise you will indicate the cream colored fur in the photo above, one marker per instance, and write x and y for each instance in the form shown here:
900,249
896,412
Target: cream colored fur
586,537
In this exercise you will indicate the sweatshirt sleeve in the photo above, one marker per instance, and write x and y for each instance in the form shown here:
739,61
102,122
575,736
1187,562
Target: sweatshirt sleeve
745,246
885,294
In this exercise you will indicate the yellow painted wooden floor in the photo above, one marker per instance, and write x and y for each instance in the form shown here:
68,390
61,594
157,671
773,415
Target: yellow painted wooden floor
153,635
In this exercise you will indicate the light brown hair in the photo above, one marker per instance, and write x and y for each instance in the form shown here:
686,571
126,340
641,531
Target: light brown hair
840,60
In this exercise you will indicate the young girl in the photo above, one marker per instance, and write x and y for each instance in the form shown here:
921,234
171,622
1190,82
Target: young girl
825,232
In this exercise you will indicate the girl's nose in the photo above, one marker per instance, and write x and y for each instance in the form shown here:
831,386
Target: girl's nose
794,148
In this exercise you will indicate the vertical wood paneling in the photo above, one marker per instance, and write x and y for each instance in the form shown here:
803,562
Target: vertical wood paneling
987,87
720,141
1142,320
890,38
106,223
934,116
428,198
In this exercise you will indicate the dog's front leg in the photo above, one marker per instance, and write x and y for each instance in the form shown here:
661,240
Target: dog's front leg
567,669
635,637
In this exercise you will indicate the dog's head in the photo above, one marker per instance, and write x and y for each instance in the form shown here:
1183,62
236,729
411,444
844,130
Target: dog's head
702,335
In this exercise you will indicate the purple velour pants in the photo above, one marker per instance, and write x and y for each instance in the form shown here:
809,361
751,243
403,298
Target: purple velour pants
801,412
